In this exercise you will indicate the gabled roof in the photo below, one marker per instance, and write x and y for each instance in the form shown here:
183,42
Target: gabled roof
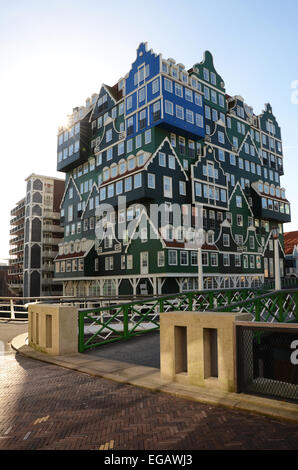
291,240
66,189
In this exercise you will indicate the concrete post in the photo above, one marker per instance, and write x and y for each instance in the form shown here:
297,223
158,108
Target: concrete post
53,329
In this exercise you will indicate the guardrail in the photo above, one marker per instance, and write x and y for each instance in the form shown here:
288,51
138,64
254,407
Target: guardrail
16,308
277,306
111,323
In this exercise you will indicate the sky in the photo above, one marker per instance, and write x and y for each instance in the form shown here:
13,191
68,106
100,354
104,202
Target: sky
55,54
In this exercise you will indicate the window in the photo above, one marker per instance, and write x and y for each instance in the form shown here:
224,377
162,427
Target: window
199,120
221,100
213,97
169,107
226,239
151,180
182,188
129,146
138,141
221,155
70,213
238,201
168,85
237,261
189,115
239,220
167,186
129,262
226,259
162,159
198,99
178,90
121,148
232,159
194,258
214,259
188,95
160,259
109,135
171,160
179,112
198,189
184,258
128,184
205,259
119,187
172,257
214,115
129,102
109,154
137,180
142,94
251,242
148,136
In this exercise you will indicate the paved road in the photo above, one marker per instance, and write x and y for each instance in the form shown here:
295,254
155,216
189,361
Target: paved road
43,406
142,350
10,329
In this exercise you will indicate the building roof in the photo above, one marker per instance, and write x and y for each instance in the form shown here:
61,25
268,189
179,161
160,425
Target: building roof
291,240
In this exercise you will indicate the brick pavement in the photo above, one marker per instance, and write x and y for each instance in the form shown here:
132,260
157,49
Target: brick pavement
43,406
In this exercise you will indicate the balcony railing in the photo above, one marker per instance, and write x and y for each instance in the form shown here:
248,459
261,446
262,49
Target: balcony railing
16,219
16,209
17,229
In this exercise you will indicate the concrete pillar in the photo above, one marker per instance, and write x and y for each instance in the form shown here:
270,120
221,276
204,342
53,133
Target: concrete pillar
198,348
53,329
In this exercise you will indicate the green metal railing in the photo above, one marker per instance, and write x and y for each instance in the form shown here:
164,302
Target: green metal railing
106,324
286,283
277,306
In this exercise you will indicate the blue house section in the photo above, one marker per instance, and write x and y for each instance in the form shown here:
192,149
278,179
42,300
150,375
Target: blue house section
184,115
149,102
146,66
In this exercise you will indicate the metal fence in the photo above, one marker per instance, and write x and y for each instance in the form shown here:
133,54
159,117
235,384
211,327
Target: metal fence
266,363
117,322
16,308
278,306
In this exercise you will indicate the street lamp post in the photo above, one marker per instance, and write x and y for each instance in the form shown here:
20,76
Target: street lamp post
200,270
275,236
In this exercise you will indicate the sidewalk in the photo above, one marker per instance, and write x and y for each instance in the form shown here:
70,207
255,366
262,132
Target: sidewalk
149,378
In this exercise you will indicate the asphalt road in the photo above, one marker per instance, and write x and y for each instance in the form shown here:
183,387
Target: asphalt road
8,330
142,350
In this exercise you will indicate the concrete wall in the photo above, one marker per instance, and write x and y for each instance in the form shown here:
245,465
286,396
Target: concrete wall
198,348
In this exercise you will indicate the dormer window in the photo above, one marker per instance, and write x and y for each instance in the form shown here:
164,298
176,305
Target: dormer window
106,174
174,72
165,67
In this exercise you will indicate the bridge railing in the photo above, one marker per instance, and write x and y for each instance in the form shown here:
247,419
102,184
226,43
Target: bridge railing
16,308
276,306
117,322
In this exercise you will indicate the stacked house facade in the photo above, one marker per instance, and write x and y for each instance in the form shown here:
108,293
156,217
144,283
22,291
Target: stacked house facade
166,136
35,235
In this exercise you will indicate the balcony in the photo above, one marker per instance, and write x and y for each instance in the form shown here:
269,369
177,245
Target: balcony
50,254
19,249
48,268
53,228
17,229
14,241
17,208
14,261
16,219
